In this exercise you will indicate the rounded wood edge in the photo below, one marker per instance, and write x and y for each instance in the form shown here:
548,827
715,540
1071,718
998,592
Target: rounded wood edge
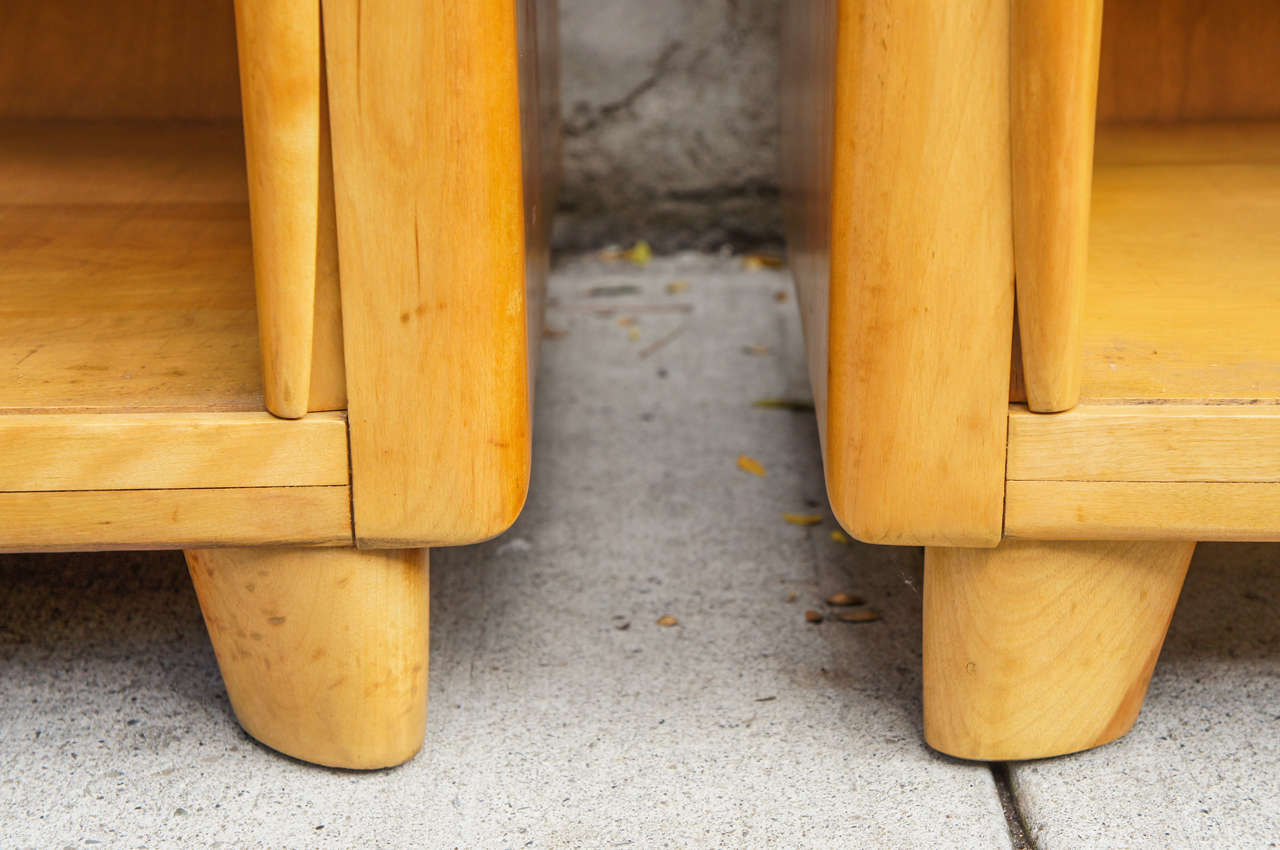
1039,649
324,652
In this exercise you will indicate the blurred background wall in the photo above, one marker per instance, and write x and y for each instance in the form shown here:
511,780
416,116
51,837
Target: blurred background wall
671,123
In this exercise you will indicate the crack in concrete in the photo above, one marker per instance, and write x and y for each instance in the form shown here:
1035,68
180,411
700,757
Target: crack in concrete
606,111
1019,835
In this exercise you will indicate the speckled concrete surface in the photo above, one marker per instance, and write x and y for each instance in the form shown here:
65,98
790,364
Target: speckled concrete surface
1202,766
561,714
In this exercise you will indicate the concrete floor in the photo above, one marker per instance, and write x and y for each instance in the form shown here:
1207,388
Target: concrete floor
563,716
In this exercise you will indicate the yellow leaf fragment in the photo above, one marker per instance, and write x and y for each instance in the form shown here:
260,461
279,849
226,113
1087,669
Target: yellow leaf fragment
640,254
749,464
668,621
755,262
840,537
803,519
633,334
675,287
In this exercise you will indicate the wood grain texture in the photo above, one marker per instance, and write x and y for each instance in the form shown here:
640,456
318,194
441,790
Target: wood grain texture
126,281
425,114
808,112
1171,60
118,59
1053,60
323,651
921,310
1158,442
1182,266
280,82
1033,650
106,451
97,520
1142,510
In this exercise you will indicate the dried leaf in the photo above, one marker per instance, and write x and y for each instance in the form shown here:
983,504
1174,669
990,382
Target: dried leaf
840,537
749,464
858,615
640,254
755,262
845,599
791,597
675,287
783,403
626,321
812,617
633,334
803,519
781,296
668,621
553,333
755,350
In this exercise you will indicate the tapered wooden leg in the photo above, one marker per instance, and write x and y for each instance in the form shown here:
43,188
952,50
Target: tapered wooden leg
323,651
1053,84
1037,649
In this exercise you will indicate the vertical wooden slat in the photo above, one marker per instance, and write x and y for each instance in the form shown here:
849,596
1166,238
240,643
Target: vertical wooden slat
921,310
280,80
808,102
1053,60
328,369
424,108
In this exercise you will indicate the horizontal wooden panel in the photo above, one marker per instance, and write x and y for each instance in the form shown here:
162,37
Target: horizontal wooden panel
1122,510
174,519
105,451
81,58
1183,253
1155,442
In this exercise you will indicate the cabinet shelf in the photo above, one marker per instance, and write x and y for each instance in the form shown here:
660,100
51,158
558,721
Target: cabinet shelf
1183,299
126,278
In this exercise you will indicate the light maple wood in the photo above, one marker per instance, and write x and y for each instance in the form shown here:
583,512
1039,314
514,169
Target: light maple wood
324,651
808,107
136,451
118,59
1182,267
1172,60
921,292
96,520
328,365
1143,510
126,282
1053,60
1147,442
1038,649
425,116
280,82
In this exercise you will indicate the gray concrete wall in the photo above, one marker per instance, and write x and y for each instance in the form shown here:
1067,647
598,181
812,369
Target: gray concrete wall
670,111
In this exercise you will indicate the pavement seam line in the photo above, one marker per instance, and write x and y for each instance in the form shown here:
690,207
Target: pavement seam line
1019,835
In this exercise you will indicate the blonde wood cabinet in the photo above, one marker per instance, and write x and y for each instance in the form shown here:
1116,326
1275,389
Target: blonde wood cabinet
1037,248
271,279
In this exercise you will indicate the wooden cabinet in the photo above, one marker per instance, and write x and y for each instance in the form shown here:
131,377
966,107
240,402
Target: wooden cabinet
271,278
1037,248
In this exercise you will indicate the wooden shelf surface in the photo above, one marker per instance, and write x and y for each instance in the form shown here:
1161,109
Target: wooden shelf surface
1184,264
126,280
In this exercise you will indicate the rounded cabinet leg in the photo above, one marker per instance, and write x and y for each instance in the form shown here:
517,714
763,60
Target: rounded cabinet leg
1036,649
323,651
